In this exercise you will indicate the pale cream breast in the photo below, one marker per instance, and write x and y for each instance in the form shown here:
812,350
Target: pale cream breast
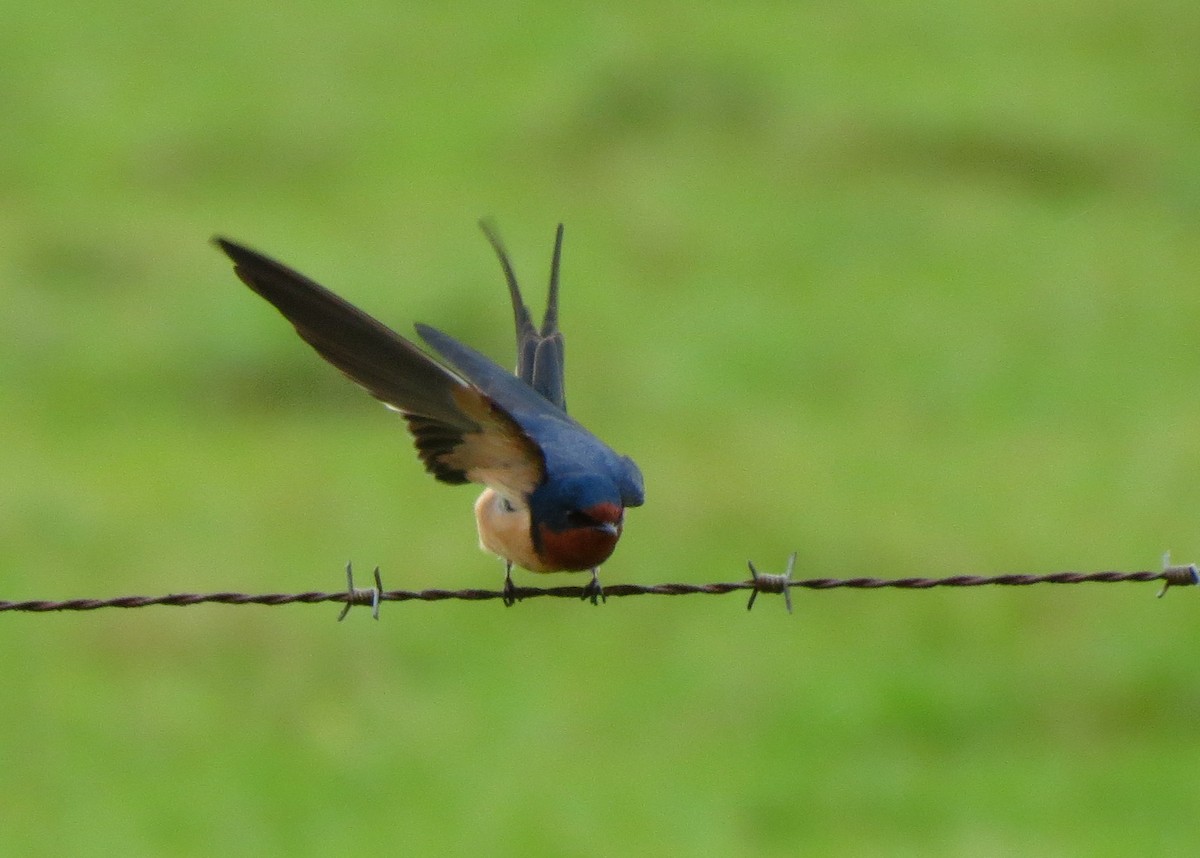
504,530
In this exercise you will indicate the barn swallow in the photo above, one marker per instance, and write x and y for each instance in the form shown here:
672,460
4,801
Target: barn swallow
555,494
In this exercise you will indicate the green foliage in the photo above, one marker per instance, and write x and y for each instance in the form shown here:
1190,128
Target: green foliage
911,290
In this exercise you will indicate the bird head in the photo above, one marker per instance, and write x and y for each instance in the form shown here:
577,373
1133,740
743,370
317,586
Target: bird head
575,522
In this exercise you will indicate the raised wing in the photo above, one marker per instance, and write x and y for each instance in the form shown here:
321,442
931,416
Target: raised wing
461,433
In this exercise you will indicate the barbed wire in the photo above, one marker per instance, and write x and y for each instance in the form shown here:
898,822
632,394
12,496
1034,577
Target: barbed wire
759,582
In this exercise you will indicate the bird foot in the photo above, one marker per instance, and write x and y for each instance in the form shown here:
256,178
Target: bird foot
593,591
510,596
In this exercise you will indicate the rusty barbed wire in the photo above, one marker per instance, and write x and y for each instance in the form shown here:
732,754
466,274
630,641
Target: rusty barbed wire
760,583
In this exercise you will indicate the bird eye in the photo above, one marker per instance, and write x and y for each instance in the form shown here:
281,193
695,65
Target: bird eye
506,505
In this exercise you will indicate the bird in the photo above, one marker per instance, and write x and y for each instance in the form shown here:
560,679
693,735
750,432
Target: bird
555,495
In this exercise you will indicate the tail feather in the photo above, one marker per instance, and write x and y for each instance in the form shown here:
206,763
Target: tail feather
540,359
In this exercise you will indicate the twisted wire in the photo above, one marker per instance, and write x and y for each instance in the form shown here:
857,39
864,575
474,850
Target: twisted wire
1170,576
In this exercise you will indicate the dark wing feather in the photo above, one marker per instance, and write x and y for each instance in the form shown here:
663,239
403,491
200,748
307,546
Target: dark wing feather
461,434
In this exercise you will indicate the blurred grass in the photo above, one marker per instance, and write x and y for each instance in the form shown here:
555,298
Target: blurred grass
909,289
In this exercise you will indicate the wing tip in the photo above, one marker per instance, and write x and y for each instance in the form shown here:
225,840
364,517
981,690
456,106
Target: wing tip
236,252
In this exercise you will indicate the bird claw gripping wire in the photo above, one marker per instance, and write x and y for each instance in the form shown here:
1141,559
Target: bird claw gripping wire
1184,576
512,593
365,596
593,591
765,583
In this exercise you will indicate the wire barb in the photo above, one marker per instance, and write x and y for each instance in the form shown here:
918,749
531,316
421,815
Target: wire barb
765,583
1181,576
366,596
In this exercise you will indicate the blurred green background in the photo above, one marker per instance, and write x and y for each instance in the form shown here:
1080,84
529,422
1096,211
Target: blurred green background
909,288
